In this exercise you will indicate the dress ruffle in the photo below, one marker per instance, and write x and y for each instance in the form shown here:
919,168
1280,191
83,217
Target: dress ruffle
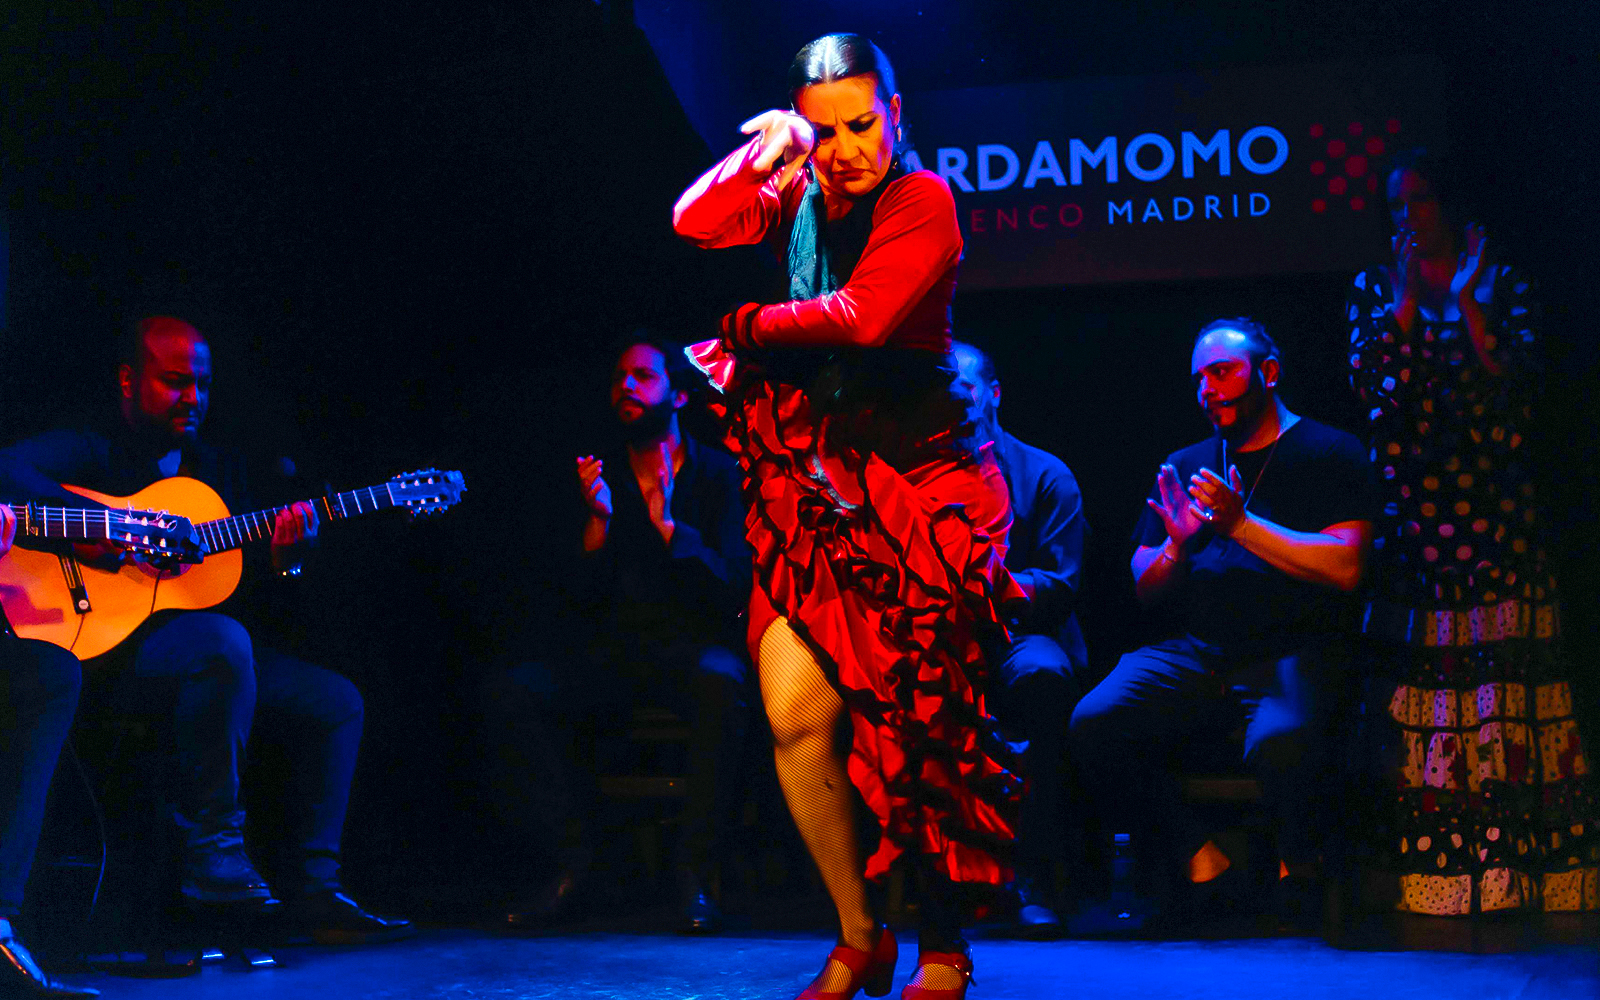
893,595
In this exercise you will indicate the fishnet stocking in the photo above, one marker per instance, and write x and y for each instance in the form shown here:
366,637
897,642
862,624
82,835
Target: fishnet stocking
938,977
806,712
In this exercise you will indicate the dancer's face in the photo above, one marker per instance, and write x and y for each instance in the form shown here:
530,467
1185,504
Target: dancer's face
855,133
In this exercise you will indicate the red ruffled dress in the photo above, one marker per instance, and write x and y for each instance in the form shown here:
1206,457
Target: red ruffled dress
894,592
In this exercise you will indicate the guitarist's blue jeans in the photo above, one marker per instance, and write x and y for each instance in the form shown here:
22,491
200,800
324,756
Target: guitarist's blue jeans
201,671
38,694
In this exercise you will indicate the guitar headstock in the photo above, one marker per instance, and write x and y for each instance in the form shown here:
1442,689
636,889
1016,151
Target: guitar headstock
155,533
427,491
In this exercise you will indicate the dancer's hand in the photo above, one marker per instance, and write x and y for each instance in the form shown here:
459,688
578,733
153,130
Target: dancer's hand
1179,515
785,137
596,492
8,529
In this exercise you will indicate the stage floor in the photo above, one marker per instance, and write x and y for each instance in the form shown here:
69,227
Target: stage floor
445,964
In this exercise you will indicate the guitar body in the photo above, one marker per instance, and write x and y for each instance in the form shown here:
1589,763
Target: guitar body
34,592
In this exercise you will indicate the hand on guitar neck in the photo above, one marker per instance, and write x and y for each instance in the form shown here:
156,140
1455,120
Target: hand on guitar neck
293,531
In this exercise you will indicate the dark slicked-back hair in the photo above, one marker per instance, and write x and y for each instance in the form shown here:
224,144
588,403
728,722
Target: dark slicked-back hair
838,57
1262,346
680,373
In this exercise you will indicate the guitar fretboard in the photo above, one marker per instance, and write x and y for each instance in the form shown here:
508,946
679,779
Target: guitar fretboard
234,532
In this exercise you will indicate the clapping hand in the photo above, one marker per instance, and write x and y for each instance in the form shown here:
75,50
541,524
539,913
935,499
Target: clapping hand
1219,503
660,498
1180,516
596,492
1477,257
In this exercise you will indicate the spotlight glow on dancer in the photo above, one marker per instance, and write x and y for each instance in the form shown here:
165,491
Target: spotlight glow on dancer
878,526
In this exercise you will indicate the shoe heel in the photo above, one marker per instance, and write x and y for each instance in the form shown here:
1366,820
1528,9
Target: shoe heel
879,982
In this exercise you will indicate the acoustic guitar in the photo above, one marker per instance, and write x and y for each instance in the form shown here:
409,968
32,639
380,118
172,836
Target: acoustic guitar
49,595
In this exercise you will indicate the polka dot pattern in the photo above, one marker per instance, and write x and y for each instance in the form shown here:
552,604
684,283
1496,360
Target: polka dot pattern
1494,806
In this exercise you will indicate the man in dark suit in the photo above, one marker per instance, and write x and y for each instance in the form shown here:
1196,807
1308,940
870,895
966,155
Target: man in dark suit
1045,670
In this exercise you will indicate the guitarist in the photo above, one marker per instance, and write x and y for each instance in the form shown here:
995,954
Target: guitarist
38,696
199,670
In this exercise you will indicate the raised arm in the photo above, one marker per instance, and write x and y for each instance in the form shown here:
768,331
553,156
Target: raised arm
915,243
744,197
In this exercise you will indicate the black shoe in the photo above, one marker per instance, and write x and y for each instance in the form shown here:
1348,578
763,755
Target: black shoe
550,903
1035,916
20,975
698,912
224,877
331,917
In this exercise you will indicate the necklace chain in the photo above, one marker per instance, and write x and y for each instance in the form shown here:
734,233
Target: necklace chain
1259,473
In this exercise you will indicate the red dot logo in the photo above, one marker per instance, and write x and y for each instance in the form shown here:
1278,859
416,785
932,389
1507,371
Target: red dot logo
1355,128
1356,166
1392,126
1316,131
1374,146
1336,148
1358,204
1319,205
1336,185
1319,168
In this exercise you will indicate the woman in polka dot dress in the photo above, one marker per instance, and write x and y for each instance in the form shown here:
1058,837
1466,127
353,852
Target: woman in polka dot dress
1495,808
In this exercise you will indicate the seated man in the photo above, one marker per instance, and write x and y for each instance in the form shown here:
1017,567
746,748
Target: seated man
1252,539
198,670
38,695
661,578
1044,672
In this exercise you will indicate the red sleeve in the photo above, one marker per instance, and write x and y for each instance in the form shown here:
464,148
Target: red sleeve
733,205
914,243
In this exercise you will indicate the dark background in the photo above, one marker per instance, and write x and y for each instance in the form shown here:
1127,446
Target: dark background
412,233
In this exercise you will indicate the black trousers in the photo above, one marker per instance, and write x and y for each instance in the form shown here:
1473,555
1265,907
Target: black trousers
39,686
200,677
1032,694
1129,735
553,726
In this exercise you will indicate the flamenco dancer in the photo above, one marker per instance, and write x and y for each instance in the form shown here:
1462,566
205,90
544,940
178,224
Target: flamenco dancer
878,527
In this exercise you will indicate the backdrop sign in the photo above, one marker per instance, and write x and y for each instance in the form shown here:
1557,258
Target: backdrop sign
1243,172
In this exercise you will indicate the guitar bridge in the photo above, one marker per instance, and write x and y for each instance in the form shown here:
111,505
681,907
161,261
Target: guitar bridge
75,587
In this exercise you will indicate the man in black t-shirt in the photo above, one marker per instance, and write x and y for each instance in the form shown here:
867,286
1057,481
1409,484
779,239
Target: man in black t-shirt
1253,540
